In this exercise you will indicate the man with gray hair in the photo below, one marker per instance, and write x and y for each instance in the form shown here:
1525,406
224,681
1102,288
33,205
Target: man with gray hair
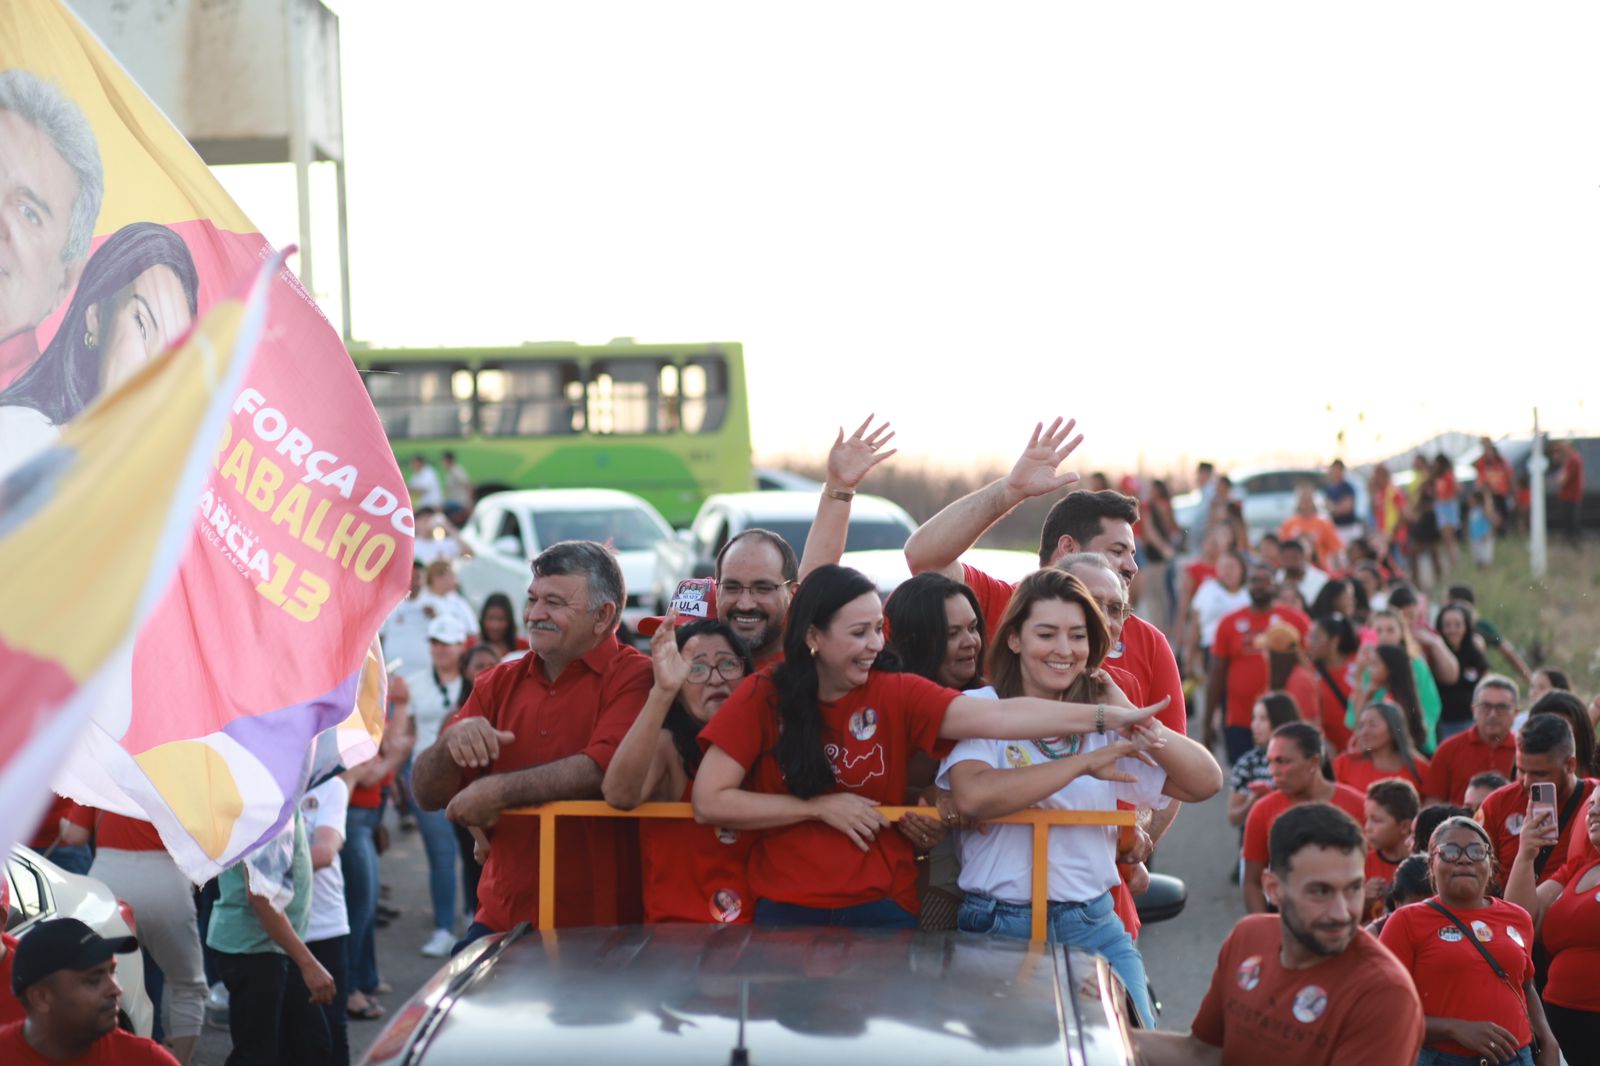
1486,745
51,185
544,728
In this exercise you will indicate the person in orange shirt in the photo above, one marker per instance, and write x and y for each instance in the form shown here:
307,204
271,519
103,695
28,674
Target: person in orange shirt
1306,524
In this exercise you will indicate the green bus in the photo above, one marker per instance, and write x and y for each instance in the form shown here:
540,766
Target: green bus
668,422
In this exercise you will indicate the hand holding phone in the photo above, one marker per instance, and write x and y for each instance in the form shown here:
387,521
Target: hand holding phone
1542,800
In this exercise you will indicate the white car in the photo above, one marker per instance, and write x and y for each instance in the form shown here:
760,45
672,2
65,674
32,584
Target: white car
508,529
1268,498
41,890
875,544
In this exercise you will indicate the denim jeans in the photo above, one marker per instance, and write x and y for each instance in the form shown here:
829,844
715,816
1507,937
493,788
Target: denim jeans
360,859
1238,740
439,841
879,914
1430,1057
1093,925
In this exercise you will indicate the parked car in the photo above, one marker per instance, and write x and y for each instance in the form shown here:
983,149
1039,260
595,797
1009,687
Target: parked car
875,544
770,479
1267,497
41,890
703,994
507,529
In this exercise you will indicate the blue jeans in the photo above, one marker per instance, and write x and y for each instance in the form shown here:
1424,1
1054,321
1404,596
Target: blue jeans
879,914
1429,1057
360,859
1238,740
475,932
439,841
1093,925
75,859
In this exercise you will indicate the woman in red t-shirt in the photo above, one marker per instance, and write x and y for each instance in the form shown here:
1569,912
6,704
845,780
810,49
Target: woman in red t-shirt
692,872
1566,917
1469,1009
810,748
1382,749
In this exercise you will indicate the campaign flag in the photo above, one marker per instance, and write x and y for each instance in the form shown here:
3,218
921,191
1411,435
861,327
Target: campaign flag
253,667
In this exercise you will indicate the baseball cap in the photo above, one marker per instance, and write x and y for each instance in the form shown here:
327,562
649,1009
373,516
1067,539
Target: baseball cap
694,598
447,629
62,944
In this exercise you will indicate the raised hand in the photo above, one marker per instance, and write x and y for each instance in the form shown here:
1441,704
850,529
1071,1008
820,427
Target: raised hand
1035,471
852,457
671,669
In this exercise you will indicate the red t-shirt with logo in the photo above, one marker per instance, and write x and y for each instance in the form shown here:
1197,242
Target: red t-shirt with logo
1453,980
585,711
869,736
116,1048
10,1006
695,873
1237,644
1461,758
1358,1006
1265,811
1571,936
1502,815
1143,652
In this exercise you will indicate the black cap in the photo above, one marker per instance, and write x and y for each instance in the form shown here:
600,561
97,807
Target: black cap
62,944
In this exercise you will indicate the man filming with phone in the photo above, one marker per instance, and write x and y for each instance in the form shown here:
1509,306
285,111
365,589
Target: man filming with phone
1546,781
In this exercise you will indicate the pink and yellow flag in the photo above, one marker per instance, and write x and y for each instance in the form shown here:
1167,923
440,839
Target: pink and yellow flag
297,539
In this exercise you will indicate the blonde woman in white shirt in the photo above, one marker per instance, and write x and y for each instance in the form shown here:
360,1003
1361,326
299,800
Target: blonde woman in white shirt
1049,645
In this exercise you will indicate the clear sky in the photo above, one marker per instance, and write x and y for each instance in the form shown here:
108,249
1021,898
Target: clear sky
1219,230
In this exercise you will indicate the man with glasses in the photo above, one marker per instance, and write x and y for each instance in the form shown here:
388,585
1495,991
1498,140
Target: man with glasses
544,728
1483,747
1545,755
1239,660
756,575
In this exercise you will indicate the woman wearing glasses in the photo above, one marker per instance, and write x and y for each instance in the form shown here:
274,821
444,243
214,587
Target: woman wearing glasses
1471,956
692,873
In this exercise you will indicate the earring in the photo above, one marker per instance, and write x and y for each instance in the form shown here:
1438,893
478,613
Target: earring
813,650
88,339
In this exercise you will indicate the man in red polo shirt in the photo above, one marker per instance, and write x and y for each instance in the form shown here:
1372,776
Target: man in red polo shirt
1239,659
1294,755
1078,522
544,728
1486,745
1544,754
1308,986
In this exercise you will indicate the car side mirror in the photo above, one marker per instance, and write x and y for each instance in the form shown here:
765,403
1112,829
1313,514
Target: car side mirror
1163,900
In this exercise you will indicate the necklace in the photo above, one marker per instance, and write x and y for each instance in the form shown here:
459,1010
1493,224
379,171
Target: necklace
1058,747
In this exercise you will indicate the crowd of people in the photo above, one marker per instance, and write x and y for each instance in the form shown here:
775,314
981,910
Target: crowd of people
1364,729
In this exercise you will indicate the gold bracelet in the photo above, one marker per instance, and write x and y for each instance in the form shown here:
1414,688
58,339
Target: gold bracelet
838,494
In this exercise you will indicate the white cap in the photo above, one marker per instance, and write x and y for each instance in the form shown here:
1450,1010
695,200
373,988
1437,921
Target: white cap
447,629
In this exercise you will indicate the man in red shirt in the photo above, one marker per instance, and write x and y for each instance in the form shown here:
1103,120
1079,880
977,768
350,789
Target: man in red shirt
1294,755
66,977
1239,660
1544,755
1308,986
544,728
50,173
1486,745
1078,522
1569,490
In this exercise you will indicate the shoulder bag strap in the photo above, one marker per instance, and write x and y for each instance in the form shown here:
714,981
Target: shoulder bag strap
1499,971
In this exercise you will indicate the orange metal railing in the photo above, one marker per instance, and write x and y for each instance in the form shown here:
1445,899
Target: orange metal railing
1041,820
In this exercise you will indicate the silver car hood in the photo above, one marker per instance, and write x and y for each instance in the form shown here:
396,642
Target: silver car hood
697,993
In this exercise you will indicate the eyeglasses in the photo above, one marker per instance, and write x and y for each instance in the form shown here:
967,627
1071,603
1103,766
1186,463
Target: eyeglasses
1115,610
732,590
729,669
1454,852
1498,708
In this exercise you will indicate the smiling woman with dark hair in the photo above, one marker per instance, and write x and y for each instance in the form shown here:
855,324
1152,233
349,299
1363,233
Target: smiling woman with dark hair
137,295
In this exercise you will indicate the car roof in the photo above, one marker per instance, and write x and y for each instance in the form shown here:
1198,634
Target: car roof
778,504
563,499
690,993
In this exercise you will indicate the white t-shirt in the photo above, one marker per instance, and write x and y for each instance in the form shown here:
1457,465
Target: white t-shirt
429,549
429,706
451,604
326,805
425,487
1212,603
1083,858
405,636
1309,585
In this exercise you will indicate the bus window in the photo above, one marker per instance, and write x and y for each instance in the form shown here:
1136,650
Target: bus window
530,399
417,400
626,396
704,393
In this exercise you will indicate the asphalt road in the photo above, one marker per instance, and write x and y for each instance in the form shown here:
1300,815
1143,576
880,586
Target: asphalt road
1179,954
